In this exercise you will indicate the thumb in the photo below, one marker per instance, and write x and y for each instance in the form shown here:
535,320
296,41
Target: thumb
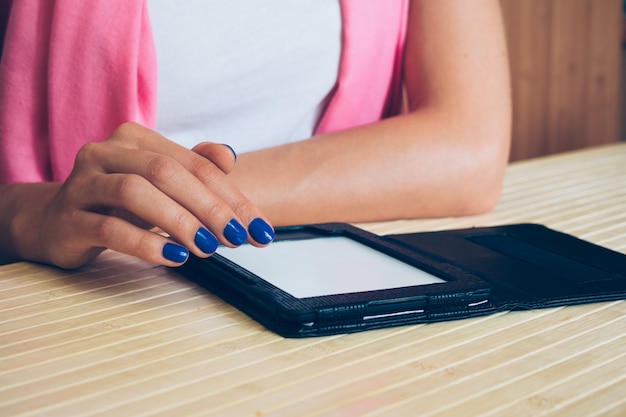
222,155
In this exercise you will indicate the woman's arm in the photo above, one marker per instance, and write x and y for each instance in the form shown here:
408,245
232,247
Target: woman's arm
445,157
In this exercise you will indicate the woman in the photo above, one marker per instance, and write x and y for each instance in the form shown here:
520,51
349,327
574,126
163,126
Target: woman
78,194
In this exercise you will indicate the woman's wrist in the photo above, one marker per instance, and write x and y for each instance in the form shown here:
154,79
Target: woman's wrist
22,209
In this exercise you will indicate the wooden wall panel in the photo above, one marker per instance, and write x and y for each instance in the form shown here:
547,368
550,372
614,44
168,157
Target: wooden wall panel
565,67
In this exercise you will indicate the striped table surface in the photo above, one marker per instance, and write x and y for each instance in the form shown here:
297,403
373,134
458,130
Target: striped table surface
125,338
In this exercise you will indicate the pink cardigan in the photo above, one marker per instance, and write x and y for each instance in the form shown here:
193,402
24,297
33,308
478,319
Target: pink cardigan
73,70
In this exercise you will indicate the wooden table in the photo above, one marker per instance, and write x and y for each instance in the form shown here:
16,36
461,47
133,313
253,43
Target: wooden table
125,338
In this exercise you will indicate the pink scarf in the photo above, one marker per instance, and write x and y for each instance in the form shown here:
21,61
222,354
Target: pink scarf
73,70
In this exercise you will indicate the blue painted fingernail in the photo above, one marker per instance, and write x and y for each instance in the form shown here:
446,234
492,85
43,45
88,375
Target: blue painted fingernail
235,233
205,241
232,150
175,253
261,231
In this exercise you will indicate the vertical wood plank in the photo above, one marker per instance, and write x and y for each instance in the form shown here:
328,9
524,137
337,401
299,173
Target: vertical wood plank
603,77
565,66
568,72
528,28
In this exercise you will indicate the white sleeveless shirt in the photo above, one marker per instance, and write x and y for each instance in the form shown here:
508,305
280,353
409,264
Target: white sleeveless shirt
248,73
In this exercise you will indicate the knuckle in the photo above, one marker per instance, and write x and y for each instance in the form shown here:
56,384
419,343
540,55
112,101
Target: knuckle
218,209
214,209
143,247
88,153
180,221
160,168
243,207
104,230
126,188
127,134
125,129
205,170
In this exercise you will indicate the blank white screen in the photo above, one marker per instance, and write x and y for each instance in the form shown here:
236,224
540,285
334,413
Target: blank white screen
316,267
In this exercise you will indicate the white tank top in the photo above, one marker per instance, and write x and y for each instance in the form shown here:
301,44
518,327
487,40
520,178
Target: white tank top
249,73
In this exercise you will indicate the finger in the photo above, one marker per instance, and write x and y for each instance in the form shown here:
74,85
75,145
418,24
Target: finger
135,136
214,201
221,155
121,236
261,232
134,194
205,199
72,246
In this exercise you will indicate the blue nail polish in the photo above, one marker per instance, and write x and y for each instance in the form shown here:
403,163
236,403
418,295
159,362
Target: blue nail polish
232,150
261,231
175,253
235,233
205,241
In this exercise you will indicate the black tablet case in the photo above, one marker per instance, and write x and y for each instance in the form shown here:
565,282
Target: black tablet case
491,269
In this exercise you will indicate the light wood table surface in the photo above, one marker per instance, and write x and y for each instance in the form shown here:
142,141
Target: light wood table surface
124,338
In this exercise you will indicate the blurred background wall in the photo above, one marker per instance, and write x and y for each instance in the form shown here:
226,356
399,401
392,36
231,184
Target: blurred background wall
566,65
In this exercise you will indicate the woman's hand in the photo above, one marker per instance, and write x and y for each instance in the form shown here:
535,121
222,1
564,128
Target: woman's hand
134,181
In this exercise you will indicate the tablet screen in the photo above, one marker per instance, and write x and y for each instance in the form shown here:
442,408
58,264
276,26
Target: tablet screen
326,266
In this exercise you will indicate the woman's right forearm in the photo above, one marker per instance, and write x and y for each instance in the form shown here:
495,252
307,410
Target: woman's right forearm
21,210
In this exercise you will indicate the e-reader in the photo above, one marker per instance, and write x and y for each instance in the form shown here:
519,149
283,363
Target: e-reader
335,278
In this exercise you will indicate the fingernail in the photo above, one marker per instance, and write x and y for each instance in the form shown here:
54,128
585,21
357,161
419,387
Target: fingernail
205,241
261,231
175,253
232,150
235,233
